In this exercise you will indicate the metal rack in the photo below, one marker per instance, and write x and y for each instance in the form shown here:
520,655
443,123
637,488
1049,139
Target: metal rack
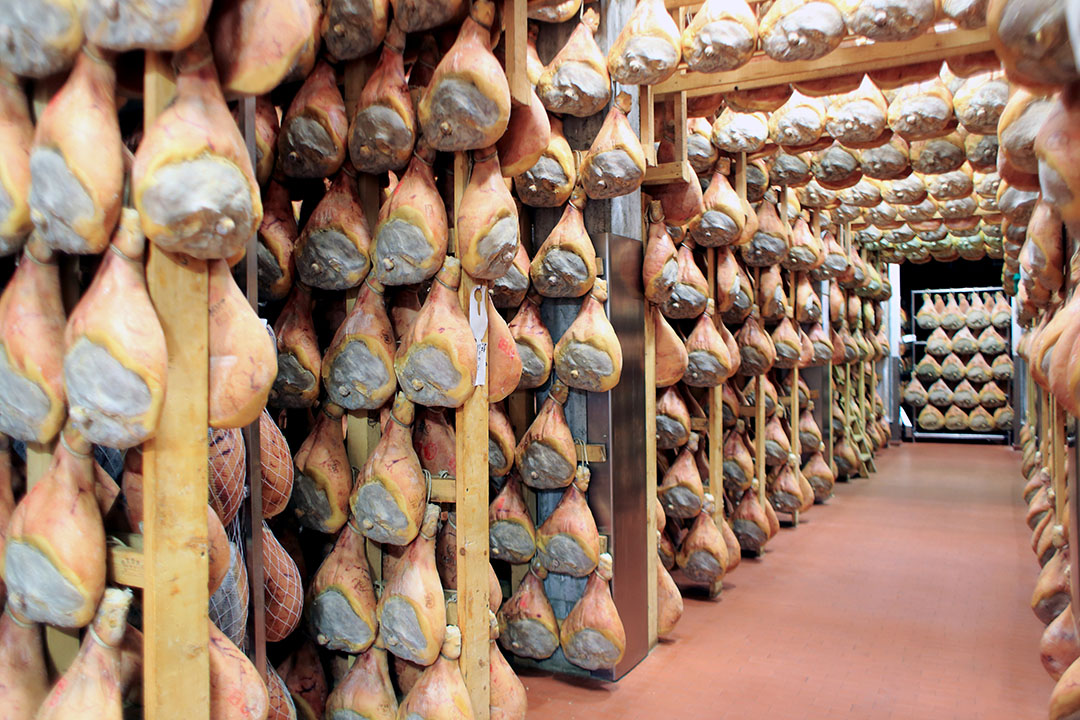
917,434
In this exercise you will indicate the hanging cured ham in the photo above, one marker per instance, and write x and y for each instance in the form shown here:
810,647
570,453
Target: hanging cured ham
341,599
366,690
236,690
299,361
254,56
351,29
660,267
23,674
546,455
509,290
76,186
487,220
466,106
358,368
282,589
311,143
192,181
54,557
41,39
565,264
721,36
735,132
436,362
772,298
388,501
750,523
115,360
592,635
16,137
276,242
505,366
527,624
703,554
688,298
681,493
771,243
738,463
672,358
920,111
568,542
801,29
589,355
411,235
243,359
435,443
615,163
798,123
411,609
1059,180
1032,40
323,479
756,348
501,441
91,686
440,693
708,360
723,221
382,130
333,251
510,528
669,602
1059,645
672,420
890,20
534,344
576,81
549,181
647,50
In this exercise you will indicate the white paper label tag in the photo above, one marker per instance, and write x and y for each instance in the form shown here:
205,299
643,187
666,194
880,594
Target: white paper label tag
478,322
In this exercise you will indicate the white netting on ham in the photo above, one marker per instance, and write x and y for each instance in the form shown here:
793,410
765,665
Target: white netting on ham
277,467
228,466
284,592
281,702
229,604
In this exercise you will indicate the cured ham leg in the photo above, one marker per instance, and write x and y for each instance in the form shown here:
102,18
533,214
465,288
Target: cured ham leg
77,163
440,693
40,39
382,131
549,181
192,181
508,698
546,455
352,28
323,478
16,137
510,527
299,361
388,501
358,368
660,268
277,240
435,443
23,674
527,624
703,554
341,601
131,24
565,264
115,361
669,602
31,341
501,441
568,542
680,492
615,163
592,635
487,223
648,48
412,610
589,355
534,344
282,589
311,143
365,691
91,685
576,81
236,690
333,251
54,558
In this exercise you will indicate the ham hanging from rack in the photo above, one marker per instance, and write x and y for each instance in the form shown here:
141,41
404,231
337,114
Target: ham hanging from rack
615,163
750,523
276,467
508,700
890,20
648,48
592,635
758,354
382,130
388,500
526,138
501,441
672,358
192,181
576,81
254,55
487,220
721,36
411,235
41,39
236,690
681,493
672,420
366,690
703,554
534,344
709,362
691,292
358,368
314,131
505,366
23,674
565,264
549,181
435,443
277,240
341,599
323,479
509,290
794,30
333,252
76,162
299,361
546,455
282,588
352,28
440,693
466,105
589,355
411,609
568,542
16,138
723,221
660,266
510,528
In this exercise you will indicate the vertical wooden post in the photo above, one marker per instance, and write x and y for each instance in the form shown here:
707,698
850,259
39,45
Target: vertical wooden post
759,425
650,461
715,413
176,663
648,124
516,45
472,506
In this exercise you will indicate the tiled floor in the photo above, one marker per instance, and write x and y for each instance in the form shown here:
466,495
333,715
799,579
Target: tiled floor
906,597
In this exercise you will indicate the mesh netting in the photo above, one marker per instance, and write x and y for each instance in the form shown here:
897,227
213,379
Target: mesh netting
229,604
281,702
284,593
228,465
277,467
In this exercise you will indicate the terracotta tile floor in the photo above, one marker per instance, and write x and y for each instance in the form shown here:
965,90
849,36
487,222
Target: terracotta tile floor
906,597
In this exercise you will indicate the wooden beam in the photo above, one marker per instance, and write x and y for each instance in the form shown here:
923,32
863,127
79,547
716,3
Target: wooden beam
853,56
647,133
516,40
665,173
176,668
650,460
472,507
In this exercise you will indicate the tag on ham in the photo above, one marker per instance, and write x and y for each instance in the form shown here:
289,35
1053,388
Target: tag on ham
382,131
115,360
354,28
568,542
358,368
549,181
277,240
54,557
527,624
565,264
365,691
436,363
76,163
721,36
388,501
260,44
411,609
341,599
546,455
589,356
576,81
534,344
510,527
411,236
467,103
16,137
592,635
